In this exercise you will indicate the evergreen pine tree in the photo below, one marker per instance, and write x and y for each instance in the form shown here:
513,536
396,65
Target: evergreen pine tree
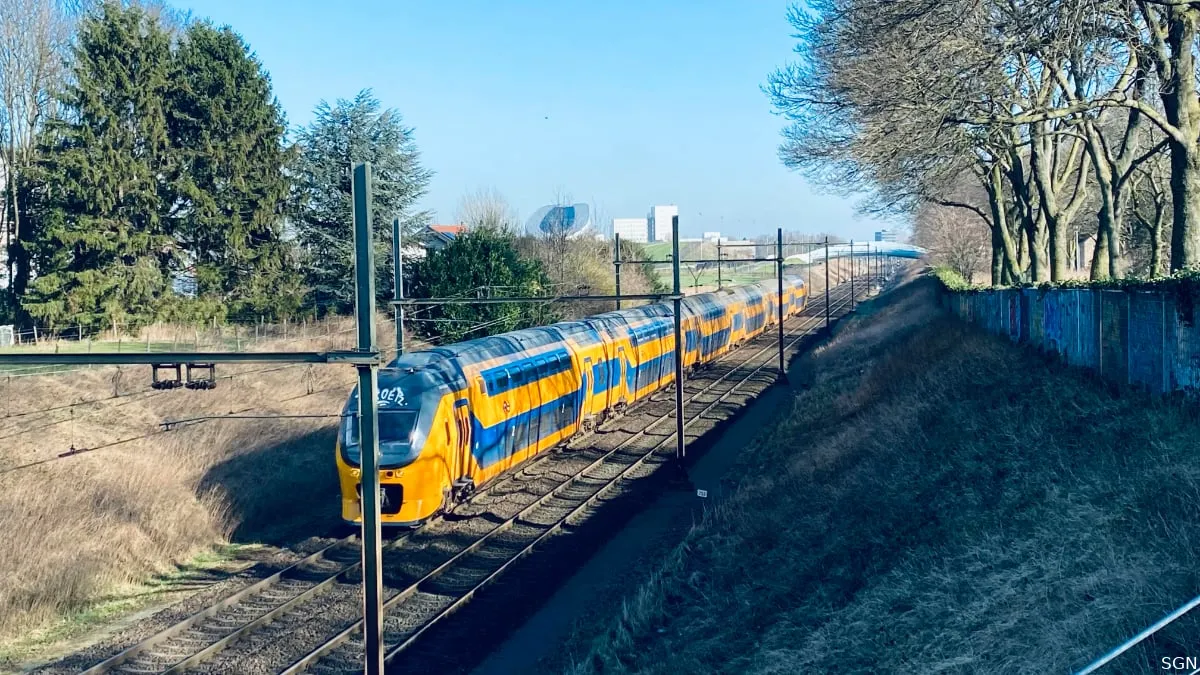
101,246
229,184
480,259
341,135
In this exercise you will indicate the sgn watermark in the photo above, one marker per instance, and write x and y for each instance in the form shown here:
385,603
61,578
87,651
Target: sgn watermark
1190,664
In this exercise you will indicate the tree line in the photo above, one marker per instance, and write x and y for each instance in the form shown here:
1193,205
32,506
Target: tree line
494,259
1012,130
149,173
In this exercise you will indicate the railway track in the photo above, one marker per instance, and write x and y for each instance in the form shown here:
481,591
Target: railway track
450,559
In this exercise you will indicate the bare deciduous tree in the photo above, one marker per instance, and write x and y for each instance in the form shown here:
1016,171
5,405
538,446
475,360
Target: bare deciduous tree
35,36
898,98
488,209
960,244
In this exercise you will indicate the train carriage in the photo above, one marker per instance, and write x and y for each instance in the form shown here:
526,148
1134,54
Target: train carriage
453,418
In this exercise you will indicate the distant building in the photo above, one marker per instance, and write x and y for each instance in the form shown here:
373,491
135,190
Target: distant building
887,235
660,223
632,229
438,237
556,219
712,236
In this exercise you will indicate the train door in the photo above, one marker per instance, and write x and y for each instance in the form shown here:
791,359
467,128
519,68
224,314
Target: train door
509,408
561,387
543,422
632,371
671,349
524,414
585,390
617,380
462,423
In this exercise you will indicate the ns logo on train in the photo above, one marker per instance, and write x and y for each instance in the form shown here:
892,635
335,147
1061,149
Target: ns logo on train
453,418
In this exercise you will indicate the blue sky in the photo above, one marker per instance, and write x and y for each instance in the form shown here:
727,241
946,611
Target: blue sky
619,103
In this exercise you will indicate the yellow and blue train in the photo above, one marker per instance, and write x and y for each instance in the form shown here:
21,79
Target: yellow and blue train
453,418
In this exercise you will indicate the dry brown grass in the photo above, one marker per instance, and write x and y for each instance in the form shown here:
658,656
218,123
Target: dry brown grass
938,501
76,528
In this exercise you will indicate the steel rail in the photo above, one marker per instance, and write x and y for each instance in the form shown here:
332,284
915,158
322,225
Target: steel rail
267,617
336,641
178,628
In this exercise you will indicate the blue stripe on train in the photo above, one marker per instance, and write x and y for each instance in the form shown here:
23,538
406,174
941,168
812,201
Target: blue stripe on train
492,444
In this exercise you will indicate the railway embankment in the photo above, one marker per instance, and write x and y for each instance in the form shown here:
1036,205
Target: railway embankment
108,512
929,498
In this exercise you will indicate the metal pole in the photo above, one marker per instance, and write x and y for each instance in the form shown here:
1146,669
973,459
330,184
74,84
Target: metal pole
827,282
718,263
364,305
679,345
808,272
852,296
617,264
779,276
398,284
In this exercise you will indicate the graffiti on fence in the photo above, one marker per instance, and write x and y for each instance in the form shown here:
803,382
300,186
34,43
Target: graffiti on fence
1052,322
1132,337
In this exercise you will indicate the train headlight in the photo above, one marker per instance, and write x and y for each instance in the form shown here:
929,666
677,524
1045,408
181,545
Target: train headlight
355,473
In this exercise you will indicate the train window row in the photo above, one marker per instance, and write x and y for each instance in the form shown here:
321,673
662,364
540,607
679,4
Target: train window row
525,371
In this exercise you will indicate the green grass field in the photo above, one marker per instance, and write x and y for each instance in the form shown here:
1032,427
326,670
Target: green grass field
127,346
750,273
657,251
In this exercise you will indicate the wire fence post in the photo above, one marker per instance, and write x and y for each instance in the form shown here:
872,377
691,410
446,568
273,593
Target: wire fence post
364,288
398,284
826,282
617,265
779,277
679,346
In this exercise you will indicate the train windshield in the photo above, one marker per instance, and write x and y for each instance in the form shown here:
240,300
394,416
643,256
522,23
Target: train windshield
395,426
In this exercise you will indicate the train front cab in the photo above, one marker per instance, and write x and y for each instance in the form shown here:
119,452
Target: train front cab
417,436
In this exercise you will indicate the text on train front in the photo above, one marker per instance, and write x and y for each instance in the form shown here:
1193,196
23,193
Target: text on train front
401,425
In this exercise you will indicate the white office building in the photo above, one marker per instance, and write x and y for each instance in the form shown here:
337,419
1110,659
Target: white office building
632,229
660,222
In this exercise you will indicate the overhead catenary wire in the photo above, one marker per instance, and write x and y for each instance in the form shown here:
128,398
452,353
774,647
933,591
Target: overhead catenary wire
171,425
6,378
